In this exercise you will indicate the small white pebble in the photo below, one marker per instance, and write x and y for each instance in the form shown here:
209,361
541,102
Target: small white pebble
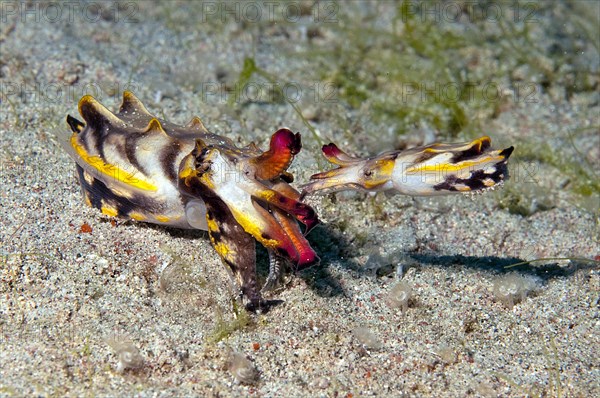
513,288
367,338
446,354
399,296
128,355
242,368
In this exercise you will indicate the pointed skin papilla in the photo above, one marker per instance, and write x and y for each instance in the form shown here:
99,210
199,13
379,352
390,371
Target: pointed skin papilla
97,115
131,104
75,125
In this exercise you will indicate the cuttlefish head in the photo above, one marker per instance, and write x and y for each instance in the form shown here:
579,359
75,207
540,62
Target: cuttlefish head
254,194
435,169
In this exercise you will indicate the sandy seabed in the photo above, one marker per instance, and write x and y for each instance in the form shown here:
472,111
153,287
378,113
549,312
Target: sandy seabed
94,307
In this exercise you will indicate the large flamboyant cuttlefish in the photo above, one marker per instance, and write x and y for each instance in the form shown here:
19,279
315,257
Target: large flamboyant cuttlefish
134,165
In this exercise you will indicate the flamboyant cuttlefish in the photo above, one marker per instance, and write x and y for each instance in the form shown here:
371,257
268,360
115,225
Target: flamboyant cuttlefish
132,164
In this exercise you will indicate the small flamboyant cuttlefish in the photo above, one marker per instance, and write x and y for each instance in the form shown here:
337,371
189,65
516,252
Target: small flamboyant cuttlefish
134,165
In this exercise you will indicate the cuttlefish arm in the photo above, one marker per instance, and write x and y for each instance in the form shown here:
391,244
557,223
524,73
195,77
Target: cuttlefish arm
429,170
